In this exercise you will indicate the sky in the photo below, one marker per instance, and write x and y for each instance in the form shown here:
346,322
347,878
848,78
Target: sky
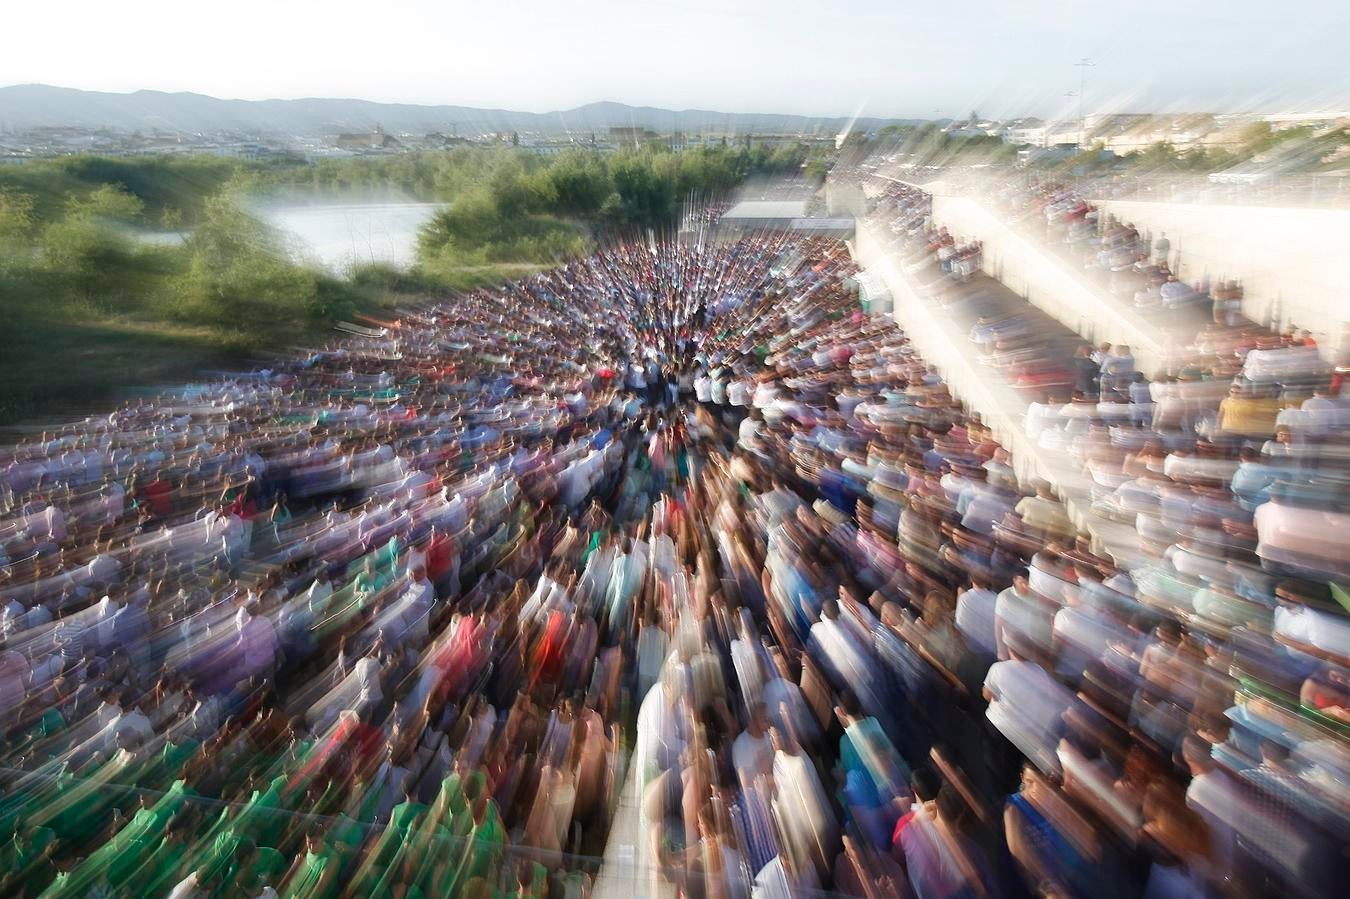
892,58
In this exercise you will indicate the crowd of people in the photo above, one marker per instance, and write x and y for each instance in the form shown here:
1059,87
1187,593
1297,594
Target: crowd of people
408,615
1231,465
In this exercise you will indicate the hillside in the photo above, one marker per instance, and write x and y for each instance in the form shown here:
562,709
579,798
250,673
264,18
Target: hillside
26,106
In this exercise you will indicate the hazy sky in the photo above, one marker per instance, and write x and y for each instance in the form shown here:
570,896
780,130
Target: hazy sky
896,58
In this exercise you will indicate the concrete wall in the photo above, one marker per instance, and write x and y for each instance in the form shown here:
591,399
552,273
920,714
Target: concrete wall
1032,271
844,197
1291,261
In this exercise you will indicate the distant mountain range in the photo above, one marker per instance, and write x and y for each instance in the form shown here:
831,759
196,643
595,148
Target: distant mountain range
26,106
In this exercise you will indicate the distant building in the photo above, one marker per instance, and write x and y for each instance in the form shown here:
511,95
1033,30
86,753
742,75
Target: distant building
631,137
375,139
546,147
437,139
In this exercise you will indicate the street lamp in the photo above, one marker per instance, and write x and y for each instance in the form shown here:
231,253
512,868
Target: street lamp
1082,65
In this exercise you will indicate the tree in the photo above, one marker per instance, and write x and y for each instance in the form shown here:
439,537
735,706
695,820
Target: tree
580,183
1157,156
109,202
94,260
238,277
17,218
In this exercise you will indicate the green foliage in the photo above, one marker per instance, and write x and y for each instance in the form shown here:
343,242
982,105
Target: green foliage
1260,137
381,277
1161,155
17,216
647,188
928,145
109,202
516,207
177,186
580,183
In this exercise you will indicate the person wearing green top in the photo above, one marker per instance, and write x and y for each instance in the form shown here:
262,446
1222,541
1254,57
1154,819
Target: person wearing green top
25,859
166,864
79,806
477,852
591,546
387,556
384,862
369,582
532,881
314,873
123,855
487,840
47,735
248,866
219,857
264,818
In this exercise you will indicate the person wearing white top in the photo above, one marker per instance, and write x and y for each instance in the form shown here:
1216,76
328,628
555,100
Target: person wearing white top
703,388
975,618
417,602
752,753
12,618
738,393
1027,706
719,389
801,806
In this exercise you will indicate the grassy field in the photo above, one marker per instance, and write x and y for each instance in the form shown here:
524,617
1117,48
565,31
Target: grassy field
59,370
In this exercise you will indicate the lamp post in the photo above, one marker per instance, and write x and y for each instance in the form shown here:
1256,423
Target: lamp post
1083,65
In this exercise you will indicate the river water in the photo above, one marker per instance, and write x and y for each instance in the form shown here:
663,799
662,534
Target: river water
337,235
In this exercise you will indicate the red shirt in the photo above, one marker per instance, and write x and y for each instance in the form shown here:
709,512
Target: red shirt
439,557
157,497
900,826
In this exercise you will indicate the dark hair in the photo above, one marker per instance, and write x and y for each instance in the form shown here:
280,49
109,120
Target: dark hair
951,807
925,782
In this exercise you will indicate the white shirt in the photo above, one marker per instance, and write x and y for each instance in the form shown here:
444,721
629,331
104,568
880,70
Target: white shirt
752,756
975,618
1027,708
738,393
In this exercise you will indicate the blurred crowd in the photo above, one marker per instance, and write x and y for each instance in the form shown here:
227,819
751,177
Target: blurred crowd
1224,652
677,528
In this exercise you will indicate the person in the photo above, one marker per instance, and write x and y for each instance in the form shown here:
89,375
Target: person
314,873
1213,795
15,674
416,605
752,752
1027,706
257,643
975,616
810,831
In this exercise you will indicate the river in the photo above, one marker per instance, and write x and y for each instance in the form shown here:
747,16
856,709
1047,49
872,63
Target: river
337,235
